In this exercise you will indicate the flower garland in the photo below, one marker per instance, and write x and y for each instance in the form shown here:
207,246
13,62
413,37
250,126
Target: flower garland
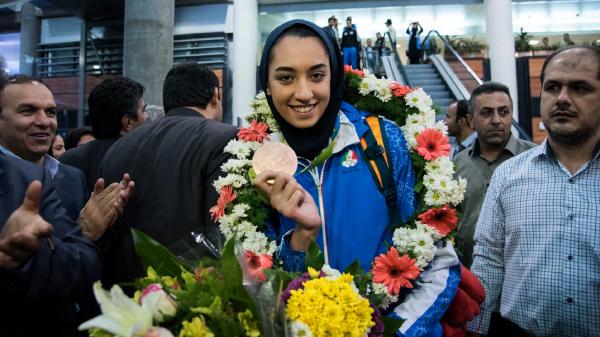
241,213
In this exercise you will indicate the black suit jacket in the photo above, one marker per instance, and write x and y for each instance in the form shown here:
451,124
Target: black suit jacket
71,189
39,298
173,161
87,158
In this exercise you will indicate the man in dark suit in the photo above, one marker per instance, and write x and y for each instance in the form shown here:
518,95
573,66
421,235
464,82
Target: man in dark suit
116,107
70,186
27,127
45,262
174,161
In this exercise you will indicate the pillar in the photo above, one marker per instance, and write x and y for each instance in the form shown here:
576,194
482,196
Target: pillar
245,50
30,38
148,44
499,34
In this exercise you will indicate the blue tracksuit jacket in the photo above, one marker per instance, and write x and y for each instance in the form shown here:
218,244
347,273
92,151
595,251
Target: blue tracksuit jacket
355,221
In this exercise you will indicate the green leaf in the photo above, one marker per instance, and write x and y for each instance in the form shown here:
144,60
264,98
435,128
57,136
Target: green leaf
233,279
354,268
232,271
155,255
419,186
251,174
314,256
321,158
392,325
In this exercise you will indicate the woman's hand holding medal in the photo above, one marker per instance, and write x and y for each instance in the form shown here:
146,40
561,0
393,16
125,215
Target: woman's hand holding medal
274,164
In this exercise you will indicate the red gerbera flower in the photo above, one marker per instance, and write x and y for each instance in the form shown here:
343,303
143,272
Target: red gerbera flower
394,271
432,144
256,264
255,133
443,219
225,197
348,69
399,90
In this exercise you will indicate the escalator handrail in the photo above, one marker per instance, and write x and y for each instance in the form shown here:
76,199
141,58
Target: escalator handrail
397,59
448,46
520,130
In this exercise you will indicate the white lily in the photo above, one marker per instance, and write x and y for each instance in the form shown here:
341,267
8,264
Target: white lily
121,315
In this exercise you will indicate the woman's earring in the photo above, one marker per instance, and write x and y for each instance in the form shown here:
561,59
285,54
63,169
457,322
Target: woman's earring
268,91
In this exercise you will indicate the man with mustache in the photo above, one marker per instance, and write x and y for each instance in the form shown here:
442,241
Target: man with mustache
27,127
538,235
490,115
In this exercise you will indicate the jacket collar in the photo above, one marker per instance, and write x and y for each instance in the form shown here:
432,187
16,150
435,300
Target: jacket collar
184,112
545,150
347,134
50,163
511,146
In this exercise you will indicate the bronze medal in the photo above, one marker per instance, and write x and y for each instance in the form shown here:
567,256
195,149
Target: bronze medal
276,157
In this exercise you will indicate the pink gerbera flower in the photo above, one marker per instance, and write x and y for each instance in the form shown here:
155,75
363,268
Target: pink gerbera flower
256,264
394,271
225,197
432,144
256,132
443,219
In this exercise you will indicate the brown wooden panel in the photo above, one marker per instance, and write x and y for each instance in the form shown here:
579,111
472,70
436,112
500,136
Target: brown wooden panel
464,76
66,89
535,70
477,65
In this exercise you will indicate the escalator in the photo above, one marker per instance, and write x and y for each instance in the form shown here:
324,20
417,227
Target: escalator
426,77
443,74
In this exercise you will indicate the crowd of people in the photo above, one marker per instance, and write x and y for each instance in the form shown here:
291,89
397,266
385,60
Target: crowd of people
530,225
352,46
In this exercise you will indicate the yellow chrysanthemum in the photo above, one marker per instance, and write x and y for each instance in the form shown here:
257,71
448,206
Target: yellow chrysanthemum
331,307
195,328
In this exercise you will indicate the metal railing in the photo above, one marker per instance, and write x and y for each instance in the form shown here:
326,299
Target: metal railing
431,48
391,62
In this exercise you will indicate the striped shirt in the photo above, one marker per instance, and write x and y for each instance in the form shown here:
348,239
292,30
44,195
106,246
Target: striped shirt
537,246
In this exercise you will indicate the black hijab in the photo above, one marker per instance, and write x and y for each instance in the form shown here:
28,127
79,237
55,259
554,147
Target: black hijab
307,143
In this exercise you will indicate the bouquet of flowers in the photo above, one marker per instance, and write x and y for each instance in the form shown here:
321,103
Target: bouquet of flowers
177,299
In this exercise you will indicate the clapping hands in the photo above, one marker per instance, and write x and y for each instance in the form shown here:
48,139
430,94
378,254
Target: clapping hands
104,207
24,230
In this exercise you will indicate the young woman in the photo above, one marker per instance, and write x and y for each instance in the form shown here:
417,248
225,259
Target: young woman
302,75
